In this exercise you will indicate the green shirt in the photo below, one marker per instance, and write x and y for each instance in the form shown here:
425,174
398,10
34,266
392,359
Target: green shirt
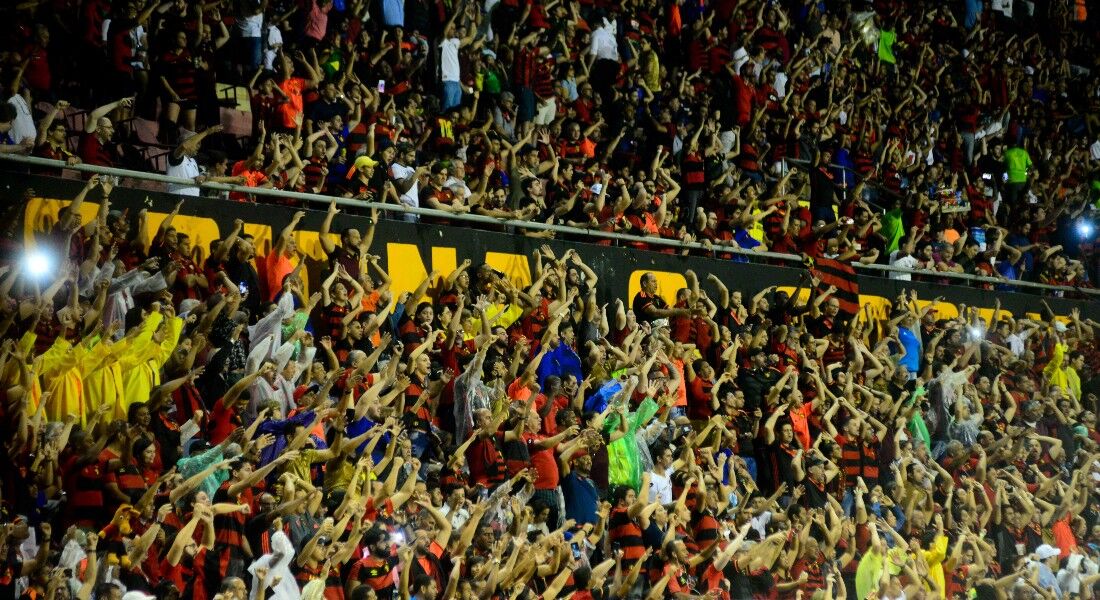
1017,163
892,229
886,39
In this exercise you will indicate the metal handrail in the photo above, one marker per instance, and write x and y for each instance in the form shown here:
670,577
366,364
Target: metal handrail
978,278
471,218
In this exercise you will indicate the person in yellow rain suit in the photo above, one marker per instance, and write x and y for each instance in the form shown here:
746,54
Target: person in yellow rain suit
63,368
104,385
147,356
18,373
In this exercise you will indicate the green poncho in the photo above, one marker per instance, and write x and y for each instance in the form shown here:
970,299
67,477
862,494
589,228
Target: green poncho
892,229
623,465
868,573
917,427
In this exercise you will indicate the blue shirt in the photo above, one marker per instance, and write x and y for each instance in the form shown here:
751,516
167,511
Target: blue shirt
581,498
560,361
973,11
393,13
911,343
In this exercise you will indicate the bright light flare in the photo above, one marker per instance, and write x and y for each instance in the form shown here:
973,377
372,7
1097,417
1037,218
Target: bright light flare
37,264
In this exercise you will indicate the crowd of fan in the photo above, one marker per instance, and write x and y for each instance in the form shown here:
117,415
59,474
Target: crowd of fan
213,430
948,137
209,429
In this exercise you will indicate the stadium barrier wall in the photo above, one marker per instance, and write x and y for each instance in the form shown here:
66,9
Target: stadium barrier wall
410,250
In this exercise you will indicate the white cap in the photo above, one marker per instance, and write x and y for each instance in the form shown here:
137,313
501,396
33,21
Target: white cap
1042,552
1060,327
137,596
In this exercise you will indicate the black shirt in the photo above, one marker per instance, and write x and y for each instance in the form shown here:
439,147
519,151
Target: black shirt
643,301
242,271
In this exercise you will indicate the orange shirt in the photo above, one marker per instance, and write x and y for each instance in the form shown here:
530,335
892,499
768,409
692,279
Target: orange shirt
518,391
681,392
276,267
252,178
289,110
800,424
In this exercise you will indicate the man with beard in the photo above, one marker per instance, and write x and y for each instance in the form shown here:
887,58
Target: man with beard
96,147
376,569
430,551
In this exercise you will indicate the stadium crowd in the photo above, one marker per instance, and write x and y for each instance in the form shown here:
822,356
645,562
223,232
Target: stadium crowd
203,428
950,137
201,431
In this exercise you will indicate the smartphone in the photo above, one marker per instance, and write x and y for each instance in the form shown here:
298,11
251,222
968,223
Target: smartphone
381,86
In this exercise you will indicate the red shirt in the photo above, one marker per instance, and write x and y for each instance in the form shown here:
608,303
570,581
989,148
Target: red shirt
92,152
543,461
223,421
37,72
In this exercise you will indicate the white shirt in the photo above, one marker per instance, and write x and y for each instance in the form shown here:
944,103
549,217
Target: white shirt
660,486
780,85
410,198
906,262
448,59
22,127
188,168
274,42
740,57
760,521
1017,342
458,517
604,45
251,27
458,186
137,38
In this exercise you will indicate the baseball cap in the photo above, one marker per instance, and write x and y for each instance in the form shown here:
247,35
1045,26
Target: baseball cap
135,595
302,390
365,161
1046,551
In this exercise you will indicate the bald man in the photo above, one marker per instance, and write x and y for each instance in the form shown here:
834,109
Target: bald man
95,145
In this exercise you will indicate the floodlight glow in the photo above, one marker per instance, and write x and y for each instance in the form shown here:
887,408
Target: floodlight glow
37,263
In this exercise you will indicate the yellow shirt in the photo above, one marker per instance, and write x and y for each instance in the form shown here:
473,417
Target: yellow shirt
300,466
63,374
935,556
1055,371
509,313
145,359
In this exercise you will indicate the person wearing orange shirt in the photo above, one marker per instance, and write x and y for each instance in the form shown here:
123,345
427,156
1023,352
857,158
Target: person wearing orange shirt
250,169
278,264
290,112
